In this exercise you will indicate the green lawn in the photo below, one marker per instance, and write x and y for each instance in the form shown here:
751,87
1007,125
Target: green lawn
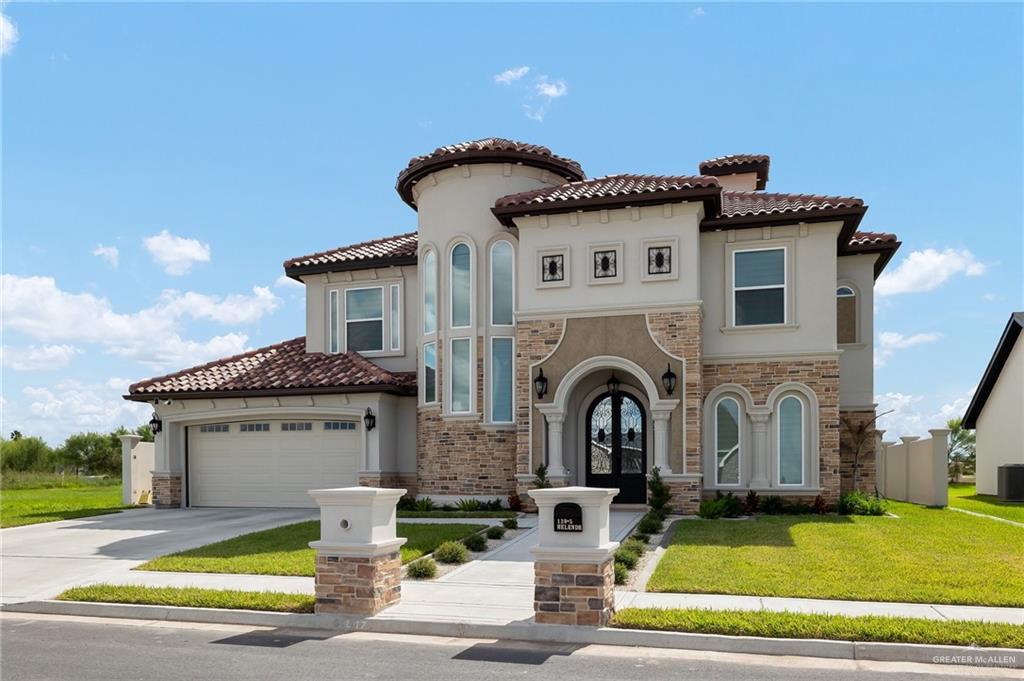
456,514
191,597
285,550
29,506
924,556
831,627
963,496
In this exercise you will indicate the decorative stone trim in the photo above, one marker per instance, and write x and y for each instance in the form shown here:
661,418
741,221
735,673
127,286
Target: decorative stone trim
681,335
581,594
357,585
535,341
167,490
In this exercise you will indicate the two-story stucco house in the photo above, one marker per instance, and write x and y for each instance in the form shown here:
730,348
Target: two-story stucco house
603,327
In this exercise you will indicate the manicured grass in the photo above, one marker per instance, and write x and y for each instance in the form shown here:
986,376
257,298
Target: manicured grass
285,550
38,480
29,506
191,597
963,496
456,514
831,627
923,556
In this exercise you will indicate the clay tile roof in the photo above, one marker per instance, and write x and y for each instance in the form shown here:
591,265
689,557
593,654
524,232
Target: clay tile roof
738,163
284,368
487,150
872,238
393,250
742,204
608,186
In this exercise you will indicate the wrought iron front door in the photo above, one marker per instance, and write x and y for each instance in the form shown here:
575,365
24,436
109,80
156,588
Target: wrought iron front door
617,446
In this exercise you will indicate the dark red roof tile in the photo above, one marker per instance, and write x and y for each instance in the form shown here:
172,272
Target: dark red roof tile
742,204
738,163
622,185
872,238
395,250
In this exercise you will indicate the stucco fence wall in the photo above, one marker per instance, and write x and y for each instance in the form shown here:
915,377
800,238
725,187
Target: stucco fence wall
915,469
137,458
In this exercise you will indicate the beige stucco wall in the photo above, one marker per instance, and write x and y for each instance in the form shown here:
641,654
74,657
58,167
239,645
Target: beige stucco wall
811,273
856,364
1000,432
744,182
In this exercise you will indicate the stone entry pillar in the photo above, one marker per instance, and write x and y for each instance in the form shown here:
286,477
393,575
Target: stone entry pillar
574,576
358,564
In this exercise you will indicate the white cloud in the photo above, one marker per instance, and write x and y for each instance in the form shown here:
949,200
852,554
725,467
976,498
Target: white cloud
176,254
911,415
53,412
286,282
890,341
509,76
549,89
152,336
108,253
989,297
38,357
544,92
8,34
697,12
927,270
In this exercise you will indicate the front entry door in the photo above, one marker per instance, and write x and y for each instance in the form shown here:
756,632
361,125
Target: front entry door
617,447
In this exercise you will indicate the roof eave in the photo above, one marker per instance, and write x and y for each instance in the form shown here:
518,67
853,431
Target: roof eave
885,251
270,392
297,271
850,217
995,366
710,195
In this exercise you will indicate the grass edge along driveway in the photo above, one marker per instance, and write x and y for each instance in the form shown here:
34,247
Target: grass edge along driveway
191,597
925,555
963,495
43,505
285,550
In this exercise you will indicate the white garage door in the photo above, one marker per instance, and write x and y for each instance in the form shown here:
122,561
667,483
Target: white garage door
270,463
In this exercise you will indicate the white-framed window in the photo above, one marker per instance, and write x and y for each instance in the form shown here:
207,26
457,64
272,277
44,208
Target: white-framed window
429,373
846,315
214,428
364,319
460,376
605,263
460,286
501,379
554,267
791,447
254,427
339,425
659,259
759,286
429,292
395,331
728,442
335,342
503,284
292,427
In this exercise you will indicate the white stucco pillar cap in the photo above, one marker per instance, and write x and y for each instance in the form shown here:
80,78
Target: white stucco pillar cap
357,521
591,543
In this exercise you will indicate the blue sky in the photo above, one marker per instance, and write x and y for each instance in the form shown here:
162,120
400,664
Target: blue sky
208,143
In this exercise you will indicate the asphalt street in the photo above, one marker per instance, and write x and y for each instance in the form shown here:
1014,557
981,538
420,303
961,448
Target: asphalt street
35,647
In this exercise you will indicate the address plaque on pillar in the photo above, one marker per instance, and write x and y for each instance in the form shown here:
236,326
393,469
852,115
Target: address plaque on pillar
568,517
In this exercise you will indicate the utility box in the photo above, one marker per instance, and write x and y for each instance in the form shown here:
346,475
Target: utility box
1010,482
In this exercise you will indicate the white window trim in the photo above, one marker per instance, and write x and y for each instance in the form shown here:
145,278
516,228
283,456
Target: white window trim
423,375
490,381
490,283
739,442
670,242
450,393
778,443
785,285
565,252
856,312
333,315
381,319
423,297
395,317
620,264
451,285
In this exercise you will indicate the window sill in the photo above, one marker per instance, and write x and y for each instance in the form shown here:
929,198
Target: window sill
759,328
430,406
851,346
767,491
473,416
499,427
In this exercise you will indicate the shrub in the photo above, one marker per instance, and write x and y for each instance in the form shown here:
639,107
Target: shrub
406,504
649,524
722,506
540,479
799,508
495,532
451,552
514,502
425,504
710,509
468,505
621,573
859,503
640,536
819,506
492,505
750,503
634,546
424,568
659,494
475,542
510,524
773,505
626,558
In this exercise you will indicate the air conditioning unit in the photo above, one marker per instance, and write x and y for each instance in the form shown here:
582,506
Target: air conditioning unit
1010,482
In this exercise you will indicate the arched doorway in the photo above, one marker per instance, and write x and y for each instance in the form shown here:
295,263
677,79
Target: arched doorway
616,447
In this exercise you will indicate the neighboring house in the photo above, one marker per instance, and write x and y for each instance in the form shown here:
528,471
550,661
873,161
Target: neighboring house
695,323
996,411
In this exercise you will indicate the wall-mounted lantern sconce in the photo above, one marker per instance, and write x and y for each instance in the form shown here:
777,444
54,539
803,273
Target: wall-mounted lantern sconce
668,379
540,385
613,385
155,424
369,420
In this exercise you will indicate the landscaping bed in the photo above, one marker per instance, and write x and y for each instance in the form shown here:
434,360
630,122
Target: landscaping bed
964,496
830,627
924,556
457,514
49,503
191,597
285,550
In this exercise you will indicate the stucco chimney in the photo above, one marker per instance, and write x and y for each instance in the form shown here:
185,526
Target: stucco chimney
739,172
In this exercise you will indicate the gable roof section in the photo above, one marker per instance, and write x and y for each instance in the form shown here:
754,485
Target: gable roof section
282,369
882,243
994,368
738,163
390,251
487,150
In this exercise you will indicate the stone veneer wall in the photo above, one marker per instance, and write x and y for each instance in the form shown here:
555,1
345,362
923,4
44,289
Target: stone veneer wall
406,481
866,477
581,594
535,340
167,490
358,585
820,375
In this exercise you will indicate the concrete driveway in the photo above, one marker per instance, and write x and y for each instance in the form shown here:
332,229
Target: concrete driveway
40,561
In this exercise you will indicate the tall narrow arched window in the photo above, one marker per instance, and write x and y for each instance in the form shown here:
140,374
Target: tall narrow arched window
791,441
727,442
429,292
502,283
846,315
460,280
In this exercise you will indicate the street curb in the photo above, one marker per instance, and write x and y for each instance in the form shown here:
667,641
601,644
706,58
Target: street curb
544,633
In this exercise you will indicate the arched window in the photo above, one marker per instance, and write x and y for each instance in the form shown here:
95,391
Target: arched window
727,442
429,292
502,283
791,441
460,299
846,315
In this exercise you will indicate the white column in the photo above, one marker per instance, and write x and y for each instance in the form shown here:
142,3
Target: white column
661,441
128,472
759,450
555,466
